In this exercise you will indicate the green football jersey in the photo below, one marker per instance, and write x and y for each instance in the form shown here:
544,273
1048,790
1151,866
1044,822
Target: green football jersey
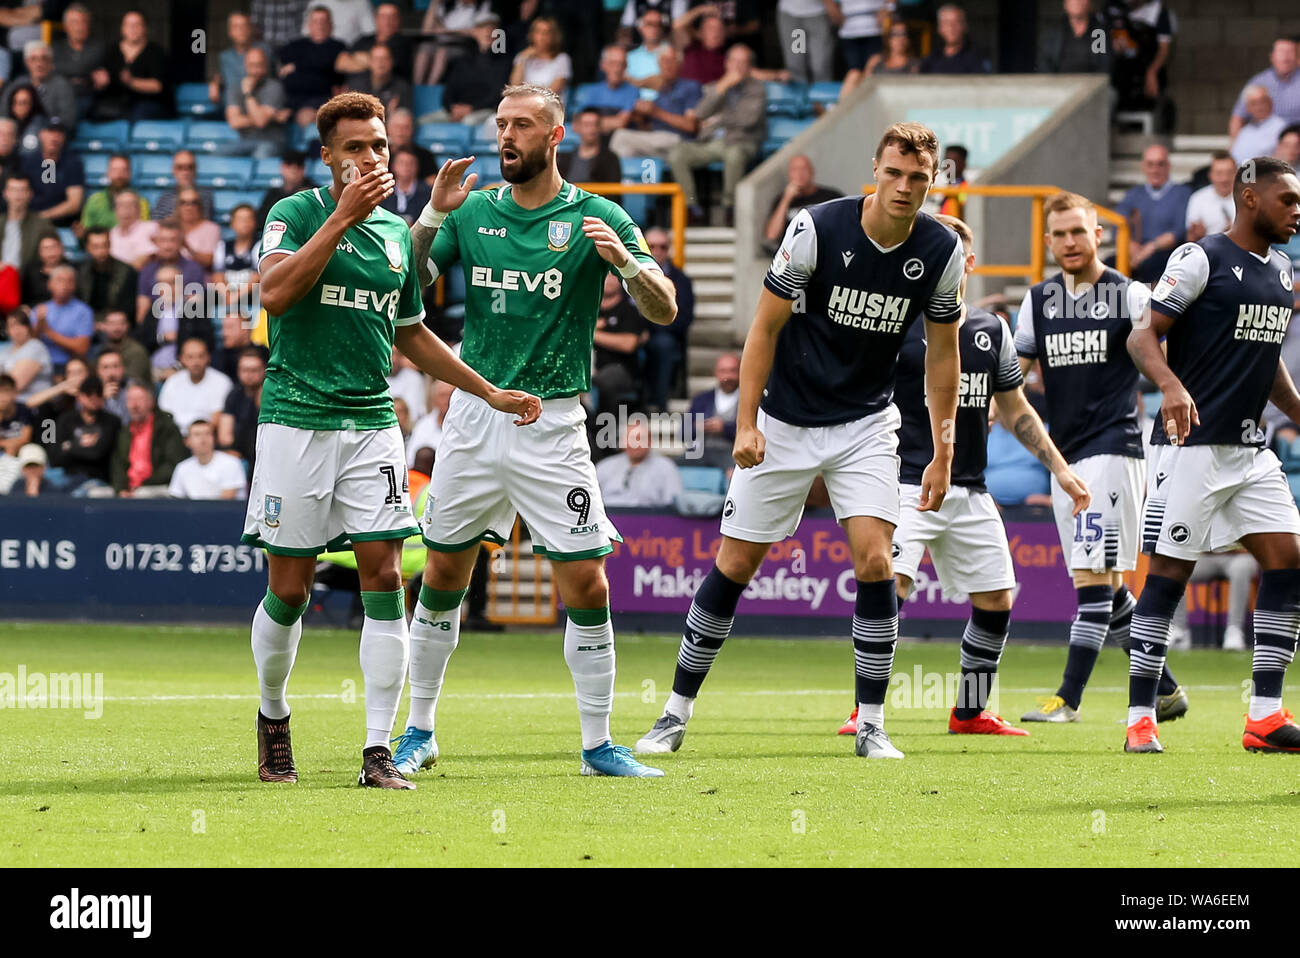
331,351
533,285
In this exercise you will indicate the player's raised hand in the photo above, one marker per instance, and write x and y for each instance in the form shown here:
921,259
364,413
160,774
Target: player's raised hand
448,190
524,405
363,193
934,486
1178,413
750,447
608,244
1076,489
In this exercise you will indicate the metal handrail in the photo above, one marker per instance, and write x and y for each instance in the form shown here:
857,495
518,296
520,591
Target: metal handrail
1037,194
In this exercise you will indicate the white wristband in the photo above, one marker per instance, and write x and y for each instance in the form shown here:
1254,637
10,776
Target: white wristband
430,217
630,268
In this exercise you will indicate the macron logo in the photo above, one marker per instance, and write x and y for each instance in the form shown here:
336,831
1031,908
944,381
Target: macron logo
848,257
1236,271
75,911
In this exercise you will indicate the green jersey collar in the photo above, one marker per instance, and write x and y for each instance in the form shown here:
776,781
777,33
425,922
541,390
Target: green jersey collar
566,194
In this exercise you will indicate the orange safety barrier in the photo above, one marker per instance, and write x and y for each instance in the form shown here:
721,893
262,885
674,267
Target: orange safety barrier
505,589
1037,194
678,215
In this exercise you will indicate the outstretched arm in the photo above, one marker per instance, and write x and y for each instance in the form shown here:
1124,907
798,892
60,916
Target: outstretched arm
1023,422
436,358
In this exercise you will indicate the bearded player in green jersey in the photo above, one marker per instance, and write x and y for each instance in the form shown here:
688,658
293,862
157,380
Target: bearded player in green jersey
340,289
535,253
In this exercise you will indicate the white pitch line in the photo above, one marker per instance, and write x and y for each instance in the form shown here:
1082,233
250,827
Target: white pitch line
165,699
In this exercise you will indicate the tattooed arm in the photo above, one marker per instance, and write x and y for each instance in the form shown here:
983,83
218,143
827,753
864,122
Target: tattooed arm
1022,421
655,295
448,194
421,242
652,291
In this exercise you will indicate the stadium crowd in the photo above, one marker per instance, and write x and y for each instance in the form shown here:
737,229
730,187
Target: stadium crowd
134,354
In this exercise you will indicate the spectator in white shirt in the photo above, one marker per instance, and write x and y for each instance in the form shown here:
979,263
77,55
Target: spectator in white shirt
207,474
1210,209
1259,135
352,19
637,476
427,431
406,382
199,392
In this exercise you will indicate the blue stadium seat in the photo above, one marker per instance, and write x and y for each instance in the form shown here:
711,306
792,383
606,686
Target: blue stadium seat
570,141
826,93
488,169
1288,452
454,292
450,138
703,479
1151,403
209,136
96,165
227,200
151,169
150,195
481,145
102,137
155,136
266,173
787,99
640,169
318,172
782,129
192,100
428,99
229,172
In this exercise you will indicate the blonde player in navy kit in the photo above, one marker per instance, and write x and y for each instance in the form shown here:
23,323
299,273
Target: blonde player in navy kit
965,536
851,276
1223,307
1075,325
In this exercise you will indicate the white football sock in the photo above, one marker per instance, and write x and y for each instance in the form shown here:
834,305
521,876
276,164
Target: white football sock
589,652
1261,708
385,644
275,646
1138,712
434,636
680,706
871,715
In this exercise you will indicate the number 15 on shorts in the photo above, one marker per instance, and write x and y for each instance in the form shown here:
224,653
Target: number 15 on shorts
1087,527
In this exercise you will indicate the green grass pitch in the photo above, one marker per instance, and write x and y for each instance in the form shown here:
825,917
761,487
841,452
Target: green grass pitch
167,774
